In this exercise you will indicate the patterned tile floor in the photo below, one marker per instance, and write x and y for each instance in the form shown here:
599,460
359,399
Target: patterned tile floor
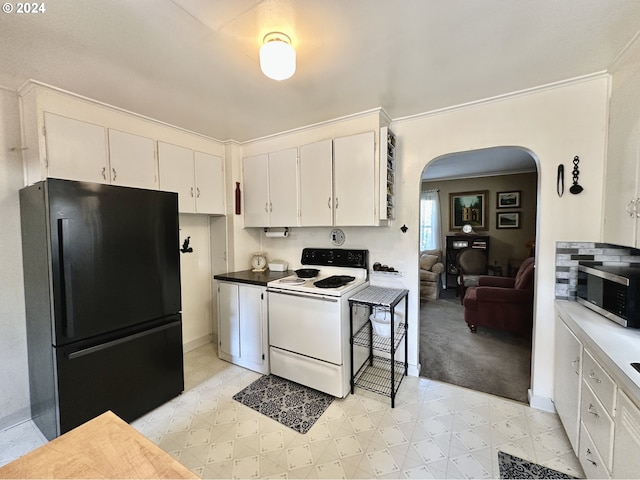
436,431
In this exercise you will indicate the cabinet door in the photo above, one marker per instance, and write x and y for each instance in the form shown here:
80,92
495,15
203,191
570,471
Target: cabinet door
256,190
209,183
252,326
626,461
283,188
316,179
175,165
76,150
568,363
132,160
354,179
228,320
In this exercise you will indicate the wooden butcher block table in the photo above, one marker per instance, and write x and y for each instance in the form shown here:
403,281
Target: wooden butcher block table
105,447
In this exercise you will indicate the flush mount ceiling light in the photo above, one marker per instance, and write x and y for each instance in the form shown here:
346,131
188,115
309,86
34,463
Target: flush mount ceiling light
277,56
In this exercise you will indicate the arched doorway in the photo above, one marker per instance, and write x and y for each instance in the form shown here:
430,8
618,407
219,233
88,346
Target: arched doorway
490,360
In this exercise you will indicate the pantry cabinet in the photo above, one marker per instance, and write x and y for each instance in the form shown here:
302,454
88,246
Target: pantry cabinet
196,177
270,189
243,325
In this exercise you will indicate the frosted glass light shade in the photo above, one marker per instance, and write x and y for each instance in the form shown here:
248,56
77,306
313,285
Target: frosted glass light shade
277,56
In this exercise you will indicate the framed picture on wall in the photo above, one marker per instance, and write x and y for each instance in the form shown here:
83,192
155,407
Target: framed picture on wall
508,220
509,199
467,208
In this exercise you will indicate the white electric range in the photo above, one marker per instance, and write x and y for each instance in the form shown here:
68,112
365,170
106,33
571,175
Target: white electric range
309,324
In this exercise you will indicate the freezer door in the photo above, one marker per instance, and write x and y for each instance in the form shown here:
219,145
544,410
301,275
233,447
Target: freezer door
114,254
130,375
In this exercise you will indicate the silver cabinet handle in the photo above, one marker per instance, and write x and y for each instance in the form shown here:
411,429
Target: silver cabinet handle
266,207
592,376
191,191
336,202
630,208
115,175
574,364
198,192
636,207
592,410
104,173
329,203
270,207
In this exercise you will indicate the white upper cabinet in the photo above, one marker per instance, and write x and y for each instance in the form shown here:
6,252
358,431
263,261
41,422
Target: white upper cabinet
132,160
74,138
316,184
270,183
283,188
175,165
354,167
75,150
209,182
196,177
256,190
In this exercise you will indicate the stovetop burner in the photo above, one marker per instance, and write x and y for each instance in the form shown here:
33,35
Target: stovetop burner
334,281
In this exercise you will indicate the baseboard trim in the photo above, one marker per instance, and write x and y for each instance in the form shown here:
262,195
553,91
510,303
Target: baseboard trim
16,418
541,403
198,342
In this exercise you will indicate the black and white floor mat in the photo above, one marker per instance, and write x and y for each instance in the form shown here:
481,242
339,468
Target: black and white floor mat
514,467
293,405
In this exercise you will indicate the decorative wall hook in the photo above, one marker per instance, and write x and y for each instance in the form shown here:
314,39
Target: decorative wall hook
185,246
575,188
560,180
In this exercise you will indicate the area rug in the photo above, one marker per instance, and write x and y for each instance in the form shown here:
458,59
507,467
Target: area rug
514,467
293,405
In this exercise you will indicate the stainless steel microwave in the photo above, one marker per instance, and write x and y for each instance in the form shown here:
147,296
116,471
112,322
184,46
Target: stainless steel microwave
611,290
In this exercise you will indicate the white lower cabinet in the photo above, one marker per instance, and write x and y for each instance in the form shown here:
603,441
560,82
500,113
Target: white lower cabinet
605,429
626,461
243,325
568,352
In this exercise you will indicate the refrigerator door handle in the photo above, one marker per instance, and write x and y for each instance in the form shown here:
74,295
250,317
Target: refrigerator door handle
67,287
113,343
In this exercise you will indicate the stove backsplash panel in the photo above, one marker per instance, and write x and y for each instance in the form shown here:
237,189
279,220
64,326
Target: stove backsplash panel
568,254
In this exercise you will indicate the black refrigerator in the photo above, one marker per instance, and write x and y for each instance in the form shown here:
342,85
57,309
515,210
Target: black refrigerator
102,291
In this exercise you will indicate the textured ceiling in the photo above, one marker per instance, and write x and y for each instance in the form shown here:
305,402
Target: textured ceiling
194,63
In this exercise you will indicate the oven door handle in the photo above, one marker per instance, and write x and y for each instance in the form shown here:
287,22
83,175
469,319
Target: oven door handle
303,295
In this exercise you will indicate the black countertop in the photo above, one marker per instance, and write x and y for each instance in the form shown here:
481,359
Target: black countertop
253,278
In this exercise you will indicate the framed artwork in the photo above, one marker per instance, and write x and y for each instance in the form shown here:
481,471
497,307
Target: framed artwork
467,208
509,199
508,220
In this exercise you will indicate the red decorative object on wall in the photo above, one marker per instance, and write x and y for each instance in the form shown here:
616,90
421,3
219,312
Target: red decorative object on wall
237,198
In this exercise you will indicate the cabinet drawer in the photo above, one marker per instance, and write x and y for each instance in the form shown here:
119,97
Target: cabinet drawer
598,422
600,382
589,457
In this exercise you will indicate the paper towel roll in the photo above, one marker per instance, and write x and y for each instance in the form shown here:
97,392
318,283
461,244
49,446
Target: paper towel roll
277,234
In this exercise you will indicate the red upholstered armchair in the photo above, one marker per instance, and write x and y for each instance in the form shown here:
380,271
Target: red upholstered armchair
503,303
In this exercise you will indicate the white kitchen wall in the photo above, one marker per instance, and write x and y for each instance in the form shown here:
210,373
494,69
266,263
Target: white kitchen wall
14,378
196,281
555,123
